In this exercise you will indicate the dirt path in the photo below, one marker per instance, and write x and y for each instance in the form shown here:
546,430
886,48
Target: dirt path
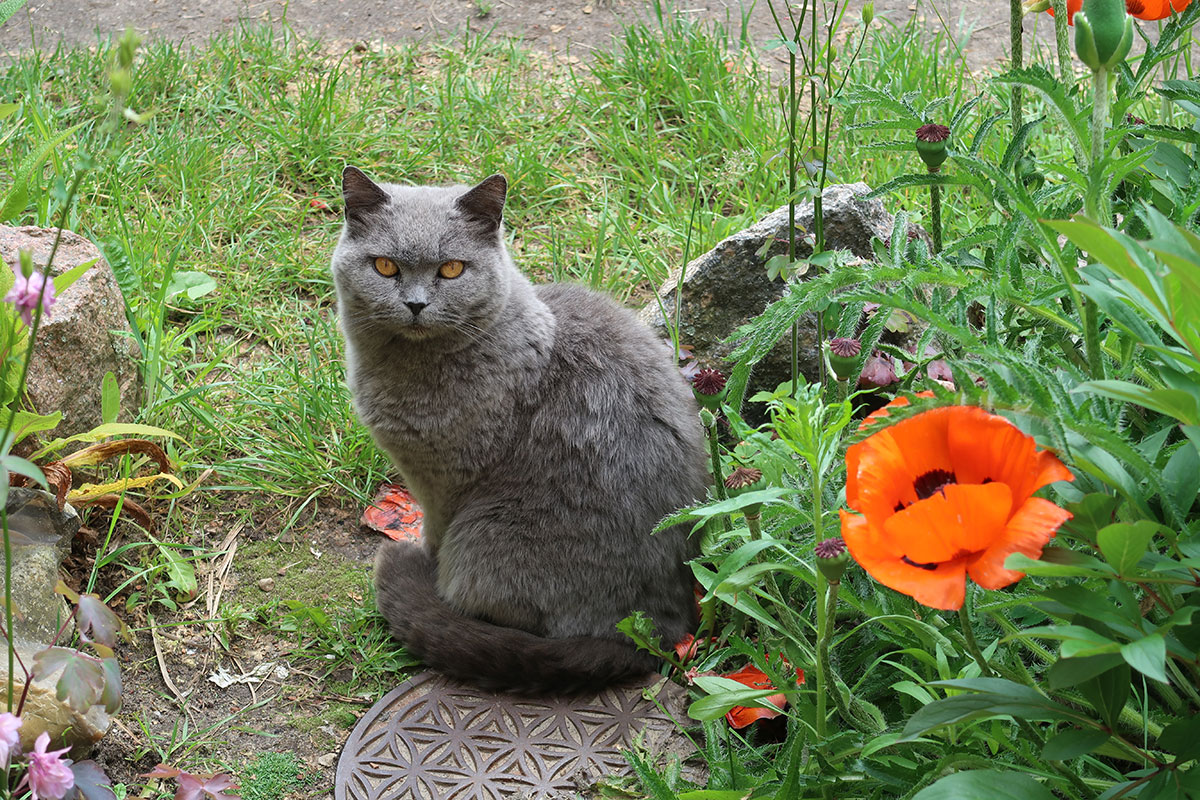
574,26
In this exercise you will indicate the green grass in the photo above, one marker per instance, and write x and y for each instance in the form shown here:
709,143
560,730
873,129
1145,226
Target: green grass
615,166
246,132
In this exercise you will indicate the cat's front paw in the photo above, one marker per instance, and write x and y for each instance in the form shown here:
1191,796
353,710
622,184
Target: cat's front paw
405,585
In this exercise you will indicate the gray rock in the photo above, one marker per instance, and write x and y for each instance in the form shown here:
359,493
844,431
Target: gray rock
40,536
86,335
728,286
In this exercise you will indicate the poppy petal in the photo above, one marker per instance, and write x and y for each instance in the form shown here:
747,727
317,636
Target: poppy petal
1034,524
741,716
986,448
954,522
942,587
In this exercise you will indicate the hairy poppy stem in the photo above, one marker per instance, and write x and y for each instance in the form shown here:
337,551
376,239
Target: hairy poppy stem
823,637
822,643
973,646
754,523
935,214
714,449
1016,36
1061,42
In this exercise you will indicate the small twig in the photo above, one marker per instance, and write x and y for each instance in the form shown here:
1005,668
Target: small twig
162,664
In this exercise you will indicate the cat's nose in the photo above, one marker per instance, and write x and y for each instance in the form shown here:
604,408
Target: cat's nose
415,308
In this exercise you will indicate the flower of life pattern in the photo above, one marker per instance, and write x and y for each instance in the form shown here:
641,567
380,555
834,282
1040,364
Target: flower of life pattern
433,739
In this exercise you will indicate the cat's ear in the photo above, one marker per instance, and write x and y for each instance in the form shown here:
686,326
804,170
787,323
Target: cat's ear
484,204
360,193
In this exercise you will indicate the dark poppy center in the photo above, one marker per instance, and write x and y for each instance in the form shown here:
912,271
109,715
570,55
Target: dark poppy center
932,482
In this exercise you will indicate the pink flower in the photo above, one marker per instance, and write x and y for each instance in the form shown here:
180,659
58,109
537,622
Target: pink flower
26,293
10,740
48,777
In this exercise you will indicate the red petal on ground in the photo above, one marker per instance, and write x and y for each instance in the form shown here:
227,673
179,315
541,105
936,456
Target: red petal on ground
394,513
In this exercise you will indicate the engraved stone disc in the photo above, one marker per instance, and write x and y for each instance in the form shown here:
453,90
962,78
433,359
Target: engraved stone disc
434,739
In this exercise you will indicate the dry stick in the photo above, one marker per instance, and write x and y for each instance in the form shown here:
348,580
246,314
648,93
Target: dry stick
162,664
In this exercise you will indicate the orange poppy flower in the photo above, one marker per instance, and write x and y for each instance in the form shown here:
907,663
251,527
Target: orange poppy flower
946,494
755,678
1142,9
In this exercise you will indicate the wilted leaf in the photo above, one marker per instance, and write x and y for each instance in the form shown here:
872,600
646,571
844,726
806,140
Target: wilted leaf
88,492
128,507
104,451
82,679
394,513
91,781
197,787
111,696
97,622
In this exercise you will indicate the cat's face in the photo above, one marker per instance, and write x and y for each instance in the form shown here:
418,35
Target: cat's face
422,263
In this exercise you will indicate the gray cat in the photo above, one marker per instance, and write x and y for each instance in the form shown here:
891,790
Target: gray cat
544,431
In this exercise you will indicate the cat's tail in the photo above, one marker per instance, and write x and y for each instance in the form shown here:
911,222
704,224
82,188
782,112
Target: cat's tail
486,655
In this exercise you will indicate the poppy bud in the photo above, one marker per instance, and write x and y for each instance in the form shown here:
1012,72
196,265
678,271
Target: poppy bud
832,558
1035,6
1103,33
868,13
843,353
707,419
931,145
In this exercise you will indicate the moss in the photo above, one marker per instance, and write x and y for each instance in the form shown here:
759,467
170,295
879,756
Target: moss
330,582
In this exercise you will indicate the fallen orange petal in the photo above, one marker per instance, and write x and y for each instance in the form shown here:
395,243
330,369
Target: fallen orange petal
394,513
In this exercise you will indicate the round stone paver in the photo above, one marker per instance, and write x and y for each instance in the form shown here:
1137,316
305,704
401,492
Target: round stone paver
435,739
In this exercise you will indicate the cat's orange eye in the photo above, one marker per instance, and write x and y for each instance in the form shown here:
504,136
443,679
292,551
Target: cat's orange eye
386,267
451,269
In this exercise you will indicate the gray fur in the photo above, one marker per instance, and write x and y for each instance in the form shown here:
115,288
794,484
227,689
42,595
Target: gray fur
543,431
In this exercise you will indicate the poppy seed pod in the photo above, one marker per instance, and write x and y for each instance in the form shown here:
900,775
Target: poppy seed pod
843,355
1103,33
832,558
931,144
709,388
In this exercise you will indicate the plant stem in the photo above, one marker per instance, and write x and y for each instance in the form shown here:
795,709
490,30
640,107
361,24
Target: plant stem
793,112
1060,39
973,646
1016,34
935,214
754,523
8,612
714,449
824,634
1100,115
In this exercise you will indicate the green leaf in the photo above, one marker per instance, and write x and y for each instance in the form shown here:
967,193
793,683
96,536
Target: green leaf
718,703
21,466
1182,738
1124,543
192,283
1072,743
110,398
1069,672
985,784
1090,514
1057,562
64,281
1176,403
26,423
1148,656
1107,692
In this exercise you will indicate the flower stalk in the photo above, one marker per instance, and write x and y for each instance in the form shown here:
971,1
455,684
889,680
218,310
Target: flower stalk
1016,38
1062,45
